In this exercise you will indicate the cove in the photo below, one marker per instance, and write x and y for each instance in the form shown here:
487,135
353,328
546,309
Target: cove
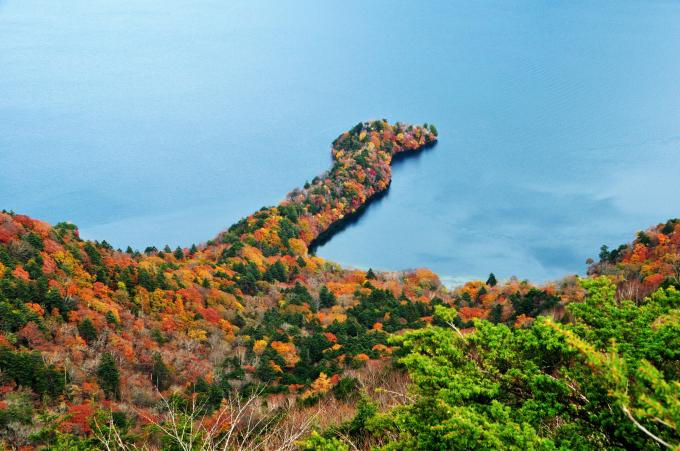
353,218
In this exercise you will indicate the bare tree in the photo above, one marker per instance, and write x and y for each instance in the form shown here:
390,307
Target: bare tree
239,424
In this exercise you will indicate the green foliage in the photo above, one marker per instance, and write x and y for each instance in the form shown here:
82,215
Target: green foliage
158,336
317,442
14,315
19,410
108,376
179,253
546,386
87,330
160,375
34,240
29,370
533,303
110,318
276,271
346,388
402,313
326,297
358,429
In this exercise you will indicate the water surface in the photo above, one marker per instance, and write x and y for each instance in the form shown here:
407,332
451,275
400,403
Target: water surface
164,121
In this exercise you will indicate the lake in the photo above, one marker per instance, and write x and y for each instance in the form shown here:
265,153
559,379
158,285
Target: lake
158,122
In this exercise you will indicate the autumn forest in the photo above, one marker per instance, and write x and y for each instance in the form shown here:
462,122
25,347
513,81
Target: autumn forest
250,341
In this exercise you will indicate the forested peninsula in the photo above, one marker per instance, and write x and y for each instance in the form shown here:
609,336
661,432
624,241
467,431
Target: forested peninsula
249,341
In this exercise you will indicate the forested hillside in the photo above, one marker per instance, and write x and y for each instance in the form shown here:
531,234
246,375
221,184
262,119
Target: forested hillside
249,340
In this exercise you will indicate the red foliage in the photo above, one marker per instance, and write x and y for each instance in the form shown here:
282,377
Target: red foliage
79,418
210,314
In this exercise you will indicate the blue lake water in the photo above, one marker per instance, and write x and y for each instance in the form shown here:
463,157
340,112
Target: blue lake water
161,122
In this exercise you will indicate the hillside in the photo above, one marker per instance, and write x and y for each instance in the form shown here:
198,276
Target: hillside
102,347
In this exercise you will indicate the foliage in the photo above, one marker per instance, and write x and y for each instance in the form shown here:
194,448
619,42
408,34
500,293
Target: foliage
108,376
577,364
549,385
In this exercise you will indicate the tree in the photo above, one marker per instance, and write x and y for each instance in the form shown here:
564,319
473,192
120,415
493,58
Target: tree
179,253
108,376
276,272
491,281
370,275
160,375
496,315
604,253
607,380
644,239
87,330
111,318
29,370
326,297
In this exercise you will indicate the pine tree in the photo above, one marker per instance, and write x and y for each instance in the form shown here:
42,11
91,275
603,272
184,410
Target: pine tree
370,275
108,376
326,298
111,318
87,330
179,253
160,375
276,272
491,281
496,315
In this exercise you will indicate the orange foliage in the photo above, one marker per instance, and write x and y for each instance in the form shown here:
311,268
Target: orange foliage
20,273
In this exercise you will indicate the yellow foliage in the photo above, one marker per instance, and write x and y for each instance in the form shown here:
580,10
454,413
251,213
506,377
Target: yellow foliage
65,260
216,297
298,246
203,273
287,351
426,277
150,263
142,299
157,300
322,384
259,346
254,255
103,307
186,276
198,335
